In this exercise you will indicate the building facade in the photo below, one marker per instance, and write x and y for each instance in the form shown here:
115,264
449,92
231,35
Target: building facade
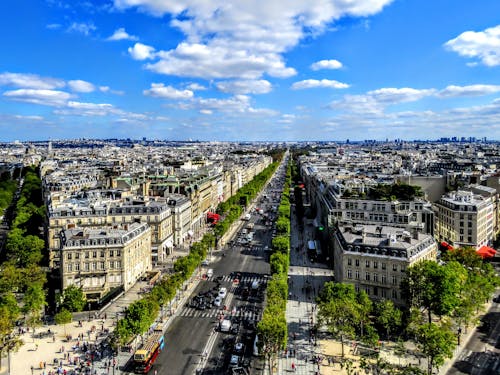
375,258
100,260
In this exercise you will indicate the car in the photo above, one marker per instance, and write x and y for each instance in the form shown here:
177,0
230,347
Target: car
222,292
496,299
234,361
239,348
266,248
218,301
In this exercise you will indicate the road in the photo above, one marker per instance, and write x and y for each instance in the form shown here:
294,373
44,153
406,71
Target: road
192,343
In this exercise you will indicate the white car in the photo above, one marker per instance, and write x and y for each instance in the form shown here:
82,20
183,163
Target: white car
218,301
222,293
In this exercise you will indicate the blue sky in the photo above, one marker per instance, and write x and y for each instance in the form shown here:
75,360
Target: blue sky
249,70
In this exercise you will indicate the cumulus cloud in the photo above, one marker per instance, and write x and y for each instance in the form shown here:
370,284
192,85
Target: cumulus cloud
87,109
52,98
159,90
242,39
471,90
82,28
32,81
326,64
78,85
141,51
121,34
483,45
323,83
260,86
195,87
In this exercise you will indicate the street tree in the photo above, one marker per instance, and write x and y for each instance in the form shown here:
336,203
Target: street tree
339,311
434,287
436,342
281,244
272,332
63,317
387,316
73,299
34,303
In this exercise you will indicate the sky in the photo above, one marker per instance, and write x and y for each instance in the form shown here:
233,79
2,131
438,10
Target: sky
249,70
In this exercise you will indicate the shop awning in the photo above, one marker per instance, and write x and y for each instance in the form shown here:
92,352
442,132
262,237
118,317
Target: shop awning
486,252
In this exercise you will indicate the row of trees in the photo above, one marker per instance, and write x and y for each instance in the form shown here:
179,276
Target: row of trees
141,314
442,298
7,189
272,329
232,209
21,277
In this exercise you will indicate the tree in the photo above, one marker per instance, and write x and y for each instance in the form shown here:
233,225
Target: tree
73,299
387,316
436,343
63,317
281,244
339,310
434,287
272,331
34,302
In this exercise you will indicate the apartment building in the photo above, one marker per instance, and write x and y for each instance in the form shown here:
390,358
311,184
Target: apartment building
108,212
375,258
465,219
181,210
101,260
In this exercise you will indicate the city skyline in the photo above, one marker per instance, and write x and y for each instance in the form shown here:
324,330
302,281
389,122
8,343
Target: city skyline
250,71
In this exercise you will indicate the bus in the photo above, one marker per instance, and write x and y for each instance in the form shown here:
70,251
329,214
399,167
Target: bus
146,355
313,250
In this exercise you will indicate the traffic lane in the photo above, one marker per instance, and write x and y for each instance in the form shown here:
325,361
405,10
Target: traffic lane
184,343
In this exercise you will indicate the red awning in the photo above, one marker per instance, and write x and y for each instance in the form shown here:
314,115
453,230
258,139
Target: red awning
446,245
486,252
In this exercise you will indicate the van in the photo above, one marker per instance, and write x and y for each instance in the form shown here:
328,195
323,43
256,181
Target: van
210,273
225,325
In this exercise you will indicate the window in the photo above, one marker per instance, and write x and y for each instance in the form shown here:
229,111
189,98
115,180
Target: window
69,267
367,276
375,264
383,293
86,266
469,239
403,269
349,261
349,274
87,255
77,255
394,294
383,266
356,262
94,254
384,279
118,264
93,266
394,280
101,265
77,266
375,277
394,267
356,287
103,253
111,253
69,256
357,275
367,264
118,253
367,290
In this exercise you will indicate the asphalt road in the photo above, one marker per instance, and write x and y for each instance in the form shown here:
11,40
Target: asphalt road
192,343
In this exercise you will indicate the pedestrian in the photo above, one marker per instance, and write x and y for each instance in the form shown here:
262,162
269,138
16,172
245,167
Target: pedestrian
293,367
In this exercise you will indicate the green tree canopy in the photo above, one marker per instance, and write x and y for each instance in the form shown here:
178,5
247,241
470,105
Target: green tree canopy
436,343
73,299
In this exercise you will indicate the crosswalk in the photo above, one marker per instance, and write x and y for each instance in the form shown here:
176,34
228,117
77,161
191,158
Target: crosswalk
244,279
189,312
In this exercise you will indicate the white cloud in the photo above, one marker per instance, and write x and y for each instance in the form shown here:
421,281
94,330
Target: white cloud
159,90
326,64
53,98
78,85
206,111
483,45
82,28
471,90
103,88
314,83
53,26
195,87
121,34
87,109
260,86
141,51
243,39
32,81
